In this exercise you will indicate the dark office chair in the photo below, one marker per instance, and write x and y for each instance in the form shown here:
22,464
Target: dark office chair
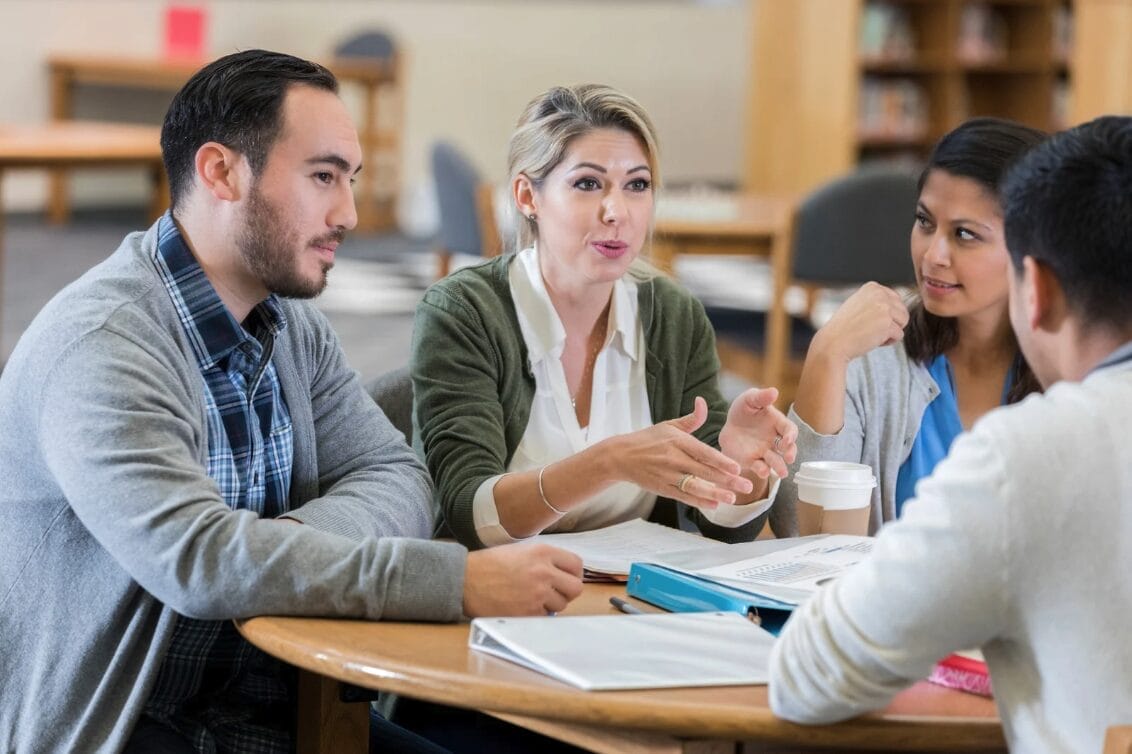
849,231
467,215
393,393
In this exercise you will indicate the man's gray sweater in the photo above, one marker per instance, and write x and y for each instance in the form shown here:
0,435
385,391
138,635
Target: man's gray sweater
110,527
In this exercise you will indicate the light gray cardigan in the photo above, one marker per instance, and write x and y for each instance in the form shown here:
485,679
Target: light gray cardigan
885,397
110,525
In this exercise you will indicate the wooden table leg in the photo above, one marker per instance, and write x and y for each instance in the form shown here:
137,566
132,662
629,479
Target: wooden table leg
62,108
367,193
778,319
159,199
326,724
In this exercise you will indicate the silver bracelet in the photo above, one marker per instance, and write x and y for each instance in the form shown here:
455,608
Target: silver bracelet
542,493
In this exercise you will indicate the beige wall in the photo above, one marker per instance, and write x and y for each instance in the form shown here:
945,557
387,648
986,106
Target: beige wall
472,65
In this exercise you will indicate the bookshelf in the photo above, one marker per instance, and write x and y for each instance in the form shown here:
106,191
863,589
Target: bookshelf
836,83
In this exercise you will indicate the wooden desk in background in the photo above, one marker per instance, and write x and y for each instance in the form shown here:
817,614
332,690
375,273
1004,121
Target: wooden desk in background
752,225
82,145
380,144
433,662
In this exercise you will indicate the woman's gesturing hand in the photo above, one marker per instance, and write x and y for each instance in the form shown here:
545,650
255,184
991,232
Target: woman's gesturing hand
668,460
757,435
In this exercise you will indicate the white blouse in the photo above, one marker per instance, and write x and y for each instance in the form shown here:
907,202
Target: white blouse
619,404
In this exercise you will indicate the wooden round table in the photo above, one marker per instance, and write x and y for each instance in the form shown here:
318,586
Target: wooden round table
433,662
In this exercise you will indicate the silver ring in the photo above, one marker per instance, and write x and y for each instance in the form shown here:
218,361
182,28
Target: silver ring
777,439
684,481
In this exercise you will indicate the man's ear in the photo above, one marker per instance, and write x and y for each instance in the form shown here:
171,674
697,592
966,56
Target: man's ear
523,192
221,171
1046,307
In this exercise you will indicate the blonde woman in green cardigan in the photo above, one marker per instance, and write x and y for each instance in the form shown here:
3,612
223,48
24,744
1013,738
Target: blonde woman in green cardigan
565,387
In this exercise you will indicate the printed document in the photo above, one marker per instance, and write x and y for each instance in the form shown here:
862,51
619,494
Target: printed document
611,550
800,569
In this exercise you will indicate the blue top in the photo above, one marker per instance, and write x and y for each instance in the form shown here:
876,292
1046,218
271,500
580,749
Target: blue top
938,429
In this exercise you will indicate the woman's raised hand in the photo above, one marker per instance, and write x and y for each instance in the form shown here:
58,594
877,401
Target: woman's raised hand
668,460
873,316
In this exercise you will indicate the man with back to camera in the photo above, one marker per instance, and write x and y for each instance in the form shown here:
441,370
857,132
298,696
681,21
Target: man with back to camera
1019,542
183,443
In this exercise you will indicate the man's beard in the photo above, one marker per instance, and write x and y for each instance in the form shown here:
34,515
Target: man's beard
271,250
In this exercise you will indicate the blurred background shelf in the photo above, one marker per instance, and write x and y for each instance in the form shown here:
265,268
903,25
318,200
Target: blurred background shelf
873,79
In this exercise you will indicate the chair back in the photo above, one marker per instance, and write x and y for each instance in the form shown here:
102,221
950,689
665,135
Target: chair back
856,229
393,393
376,45
457,181
467,215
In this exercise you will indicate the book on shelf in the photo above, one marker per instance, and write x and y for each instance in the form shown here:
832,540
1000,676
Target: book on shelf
982,35
965,671
886,34
892,109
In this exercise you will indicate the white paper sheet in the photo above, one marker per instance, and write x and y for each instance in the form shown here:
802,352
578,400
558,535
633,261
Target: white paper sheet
803,568
612,549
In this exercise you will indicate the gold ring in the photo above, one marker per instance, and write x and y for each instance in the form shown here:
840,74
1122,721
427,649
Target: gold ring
684,481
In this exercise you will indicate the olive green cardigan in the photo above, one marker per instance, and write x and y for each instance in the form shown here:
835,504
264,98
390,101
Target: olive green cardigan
473,386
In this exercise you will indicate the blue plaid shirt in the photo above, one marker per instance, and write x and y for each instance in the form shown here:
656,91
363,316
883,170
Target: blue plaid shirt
216,689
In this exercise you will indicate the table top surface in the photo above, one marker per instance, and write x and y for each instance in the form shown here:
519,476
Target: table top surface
733,215
433,662
173,71
76,142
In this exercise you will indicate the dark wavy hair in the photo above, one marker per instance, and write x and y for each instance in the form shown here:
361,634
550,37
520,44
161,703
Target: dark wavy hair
237,101
1069,206
982,150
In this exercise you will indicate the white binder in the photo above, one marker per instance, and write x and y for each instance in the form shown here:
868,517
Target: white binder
654,650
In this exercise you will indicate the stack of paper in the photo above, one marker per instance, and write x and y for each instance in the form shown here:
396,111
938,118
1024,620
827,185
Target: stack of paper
609,552
657,650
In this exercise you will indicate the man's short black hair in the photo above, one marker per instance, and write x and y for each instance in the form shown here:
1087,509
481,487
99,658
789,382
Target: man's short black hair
236,101
1068,204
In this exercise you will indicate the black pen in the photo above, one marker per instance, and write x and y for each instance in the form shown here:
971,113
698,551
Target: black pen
625,607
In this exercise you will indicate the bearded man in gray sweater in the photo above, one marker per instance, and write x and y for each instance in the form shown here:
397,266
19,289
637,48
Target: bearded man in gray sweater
182,443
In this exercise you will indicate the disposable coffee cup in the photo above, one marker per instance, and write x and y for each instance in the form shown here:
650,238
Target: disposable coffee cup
834,497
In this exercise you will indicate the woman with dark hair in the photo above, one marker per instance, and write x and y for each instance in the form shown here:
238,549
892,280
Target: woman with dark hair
891,384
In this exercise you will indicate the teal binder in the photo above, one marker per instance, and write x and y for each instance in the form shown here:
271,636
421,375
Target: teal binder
681,592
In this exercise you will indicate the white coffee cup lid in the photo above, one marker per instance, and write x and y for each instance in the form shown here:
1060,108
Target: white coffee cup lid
836,473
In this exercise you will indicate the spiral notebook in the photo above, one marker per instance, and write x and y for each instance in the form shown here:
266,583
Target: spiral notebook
610,652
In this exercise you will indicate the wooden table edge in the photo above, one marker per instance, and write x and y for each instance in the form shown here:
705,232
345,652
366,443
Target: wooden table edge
874,730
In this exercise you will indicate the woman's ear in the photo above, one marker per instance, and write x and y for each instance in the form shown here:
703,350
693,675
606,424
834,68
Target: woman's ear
523,191
221,171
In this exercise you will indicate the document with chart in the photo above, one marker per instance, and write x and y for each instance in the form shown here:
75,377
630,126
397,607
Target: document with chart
795,572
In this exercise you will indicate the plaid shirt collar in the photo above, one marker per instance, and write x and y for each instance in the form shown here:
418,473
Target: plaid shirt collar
213,332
